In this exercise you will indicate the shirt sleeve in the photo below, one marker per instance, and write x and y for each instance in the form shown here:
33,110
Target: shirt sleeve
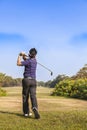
24,63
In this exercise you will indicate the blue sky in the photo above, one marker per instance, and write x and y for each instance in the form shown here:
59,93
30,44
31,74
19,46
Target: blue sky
56,28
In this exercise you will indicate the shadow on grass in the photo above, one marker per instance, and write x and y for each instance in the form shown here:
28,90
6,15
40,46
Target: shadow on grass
17,114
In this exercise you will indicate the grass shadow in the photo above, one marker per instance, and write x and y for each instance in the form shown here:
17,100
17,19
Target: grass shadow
12,113
17,114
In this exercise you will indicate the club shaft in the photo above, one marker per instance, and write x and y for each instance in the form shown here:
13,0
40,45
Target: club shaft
44,66
41,65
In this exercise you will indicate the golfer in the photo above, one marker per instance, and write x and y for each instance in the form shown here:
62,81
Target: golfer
29,82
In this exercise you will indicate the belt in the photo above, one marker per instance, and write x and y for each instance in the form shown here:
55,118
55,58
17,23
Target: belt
29,78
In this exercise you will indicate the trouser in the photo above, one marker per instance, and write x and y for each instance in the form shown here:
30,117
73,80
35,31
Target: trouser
29,89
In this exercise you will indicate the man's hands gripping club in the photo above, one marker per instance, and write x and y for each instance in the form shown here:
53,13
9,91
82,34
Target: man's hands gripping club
21,56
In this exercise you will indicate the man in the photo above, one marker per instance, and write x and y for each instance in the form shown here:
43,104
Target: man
29,82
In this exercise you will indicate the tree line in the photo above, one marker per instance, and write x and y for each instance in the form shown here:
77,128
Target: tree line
8,81
74,86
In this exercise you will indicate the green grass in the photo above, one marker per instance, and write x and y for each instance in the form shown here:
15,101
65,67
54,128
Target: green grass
57,113
49,121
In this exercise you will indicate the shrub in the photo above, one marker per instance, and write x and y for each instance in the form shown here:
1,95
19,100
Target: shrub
72,88
2,92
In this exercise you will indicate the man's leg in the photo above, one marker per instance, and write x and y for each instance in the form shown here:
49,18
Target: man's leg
25,96
32,90
33,96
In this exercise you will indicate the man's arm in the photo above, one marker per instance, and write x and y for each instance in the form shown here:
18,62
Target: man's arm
19,61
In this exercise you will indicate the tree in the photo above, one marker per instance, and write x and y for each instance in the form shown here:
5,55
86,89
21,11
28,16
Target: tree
57,80
2,78
47,84
72,88
7,81
40,83
82,73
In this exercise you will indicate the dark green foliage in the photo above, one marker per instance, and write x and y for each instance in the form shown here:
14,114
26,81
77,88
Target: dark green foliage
48,83
52,84
57,80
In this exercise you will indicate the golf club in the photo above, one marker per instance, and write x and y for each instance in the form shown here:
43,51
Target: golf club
45,68
23,54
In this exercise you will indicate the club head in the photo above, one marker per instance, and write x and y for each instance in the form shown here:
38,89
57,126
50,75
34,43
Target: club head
51,73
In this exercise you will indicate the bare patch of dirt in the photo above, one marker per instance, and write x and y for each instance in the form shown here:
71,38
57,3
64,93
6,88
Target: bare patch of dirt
13,102
62,104
10,103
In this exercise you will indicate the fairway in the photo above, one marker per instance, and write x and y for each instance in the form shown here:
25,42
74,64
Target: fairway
57,113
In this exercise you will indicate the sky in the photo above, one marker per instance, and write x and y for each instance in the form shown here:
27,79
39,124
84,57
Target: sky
56,28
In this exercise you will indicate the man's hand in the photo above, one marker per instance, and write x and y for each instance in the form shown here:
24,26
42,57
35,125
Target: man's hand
22,54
